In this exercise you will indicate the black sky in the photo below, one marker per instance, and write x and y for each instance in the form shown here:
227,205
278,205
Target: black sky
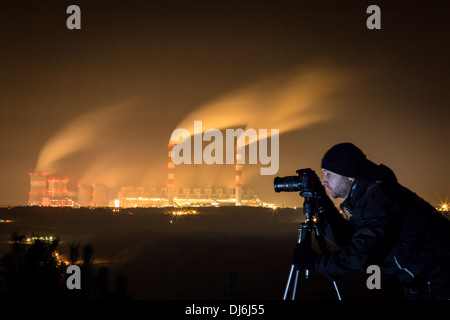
138,68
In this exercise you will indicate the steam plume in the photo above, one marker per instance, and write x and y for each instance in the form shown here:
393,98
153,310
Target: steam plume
87,131
289,102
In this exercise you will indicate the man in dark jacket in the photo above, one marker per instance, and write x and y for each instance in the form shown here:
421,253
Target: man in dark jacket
390,226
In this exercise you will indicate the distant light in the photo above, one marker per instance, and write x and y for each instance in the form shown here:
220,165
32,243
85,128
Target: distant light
116,203
444,206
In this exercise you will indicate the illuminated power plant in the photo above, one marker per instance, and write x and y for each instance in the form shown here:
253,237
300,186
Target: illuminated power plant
53,192
46,191
185,197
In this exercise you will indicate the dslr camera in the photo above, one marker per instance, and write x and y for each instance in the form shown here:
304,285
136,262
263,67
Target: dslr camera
304,183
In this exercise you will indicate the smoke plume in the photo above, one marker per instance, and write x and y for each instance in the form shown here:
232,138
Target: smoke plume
289,102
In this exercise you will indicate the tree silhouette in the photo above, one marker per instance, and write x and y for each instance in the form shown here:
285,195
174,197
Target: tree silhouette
94,280
88,252
73,253
33,270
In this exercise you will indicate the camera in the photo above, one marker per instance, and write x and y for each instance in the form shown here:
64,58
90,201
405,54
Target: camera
303,183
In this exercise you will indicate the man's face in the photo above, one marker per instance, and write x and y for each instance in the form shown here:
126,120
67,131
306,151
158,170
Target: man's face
338,186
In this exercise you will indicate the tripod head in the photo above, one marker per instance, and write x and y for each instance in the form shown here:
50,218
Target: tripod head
309,208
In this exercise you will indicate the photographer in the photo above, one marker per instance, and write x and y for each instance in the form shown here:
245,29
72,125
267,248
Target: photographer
390,226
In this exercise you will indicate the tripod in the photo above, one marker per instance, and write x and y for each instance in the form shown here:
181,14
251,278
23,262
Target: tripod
305,236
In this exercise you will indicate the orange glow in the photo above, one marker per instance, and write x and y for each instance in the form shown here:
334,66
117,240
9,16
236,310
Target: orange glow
184,212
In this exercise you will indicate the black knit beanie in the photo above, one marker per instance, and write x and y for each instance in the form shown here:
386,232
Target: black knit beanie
345,159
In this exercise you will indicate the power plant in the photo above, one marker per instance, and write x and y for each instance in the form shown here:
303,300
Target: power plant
184,197
45,191
54,192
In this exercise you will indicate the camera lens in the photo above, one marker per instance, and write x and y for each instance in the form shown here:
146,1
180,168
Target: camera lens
287,184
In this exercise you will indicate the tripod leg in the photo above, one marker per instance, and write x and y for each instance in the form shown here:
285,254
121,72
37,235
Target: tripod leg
294,290
289,282
304,235
337,290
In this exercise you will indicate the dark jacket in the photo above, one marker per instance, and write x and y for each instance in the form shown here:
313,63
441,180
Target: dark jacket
391,227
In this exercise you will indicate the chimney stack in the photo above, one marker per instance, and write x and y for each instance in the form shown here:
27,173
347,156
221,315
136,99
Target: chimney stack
171,176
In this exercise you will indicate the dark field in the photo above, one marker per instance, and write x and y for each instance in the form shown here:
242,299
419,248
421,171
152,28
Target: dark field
194,257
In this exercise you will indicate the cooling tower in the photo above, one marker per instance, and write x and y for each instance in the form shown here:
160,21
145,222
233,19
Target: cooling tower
85,195
100,196
38,188
57,189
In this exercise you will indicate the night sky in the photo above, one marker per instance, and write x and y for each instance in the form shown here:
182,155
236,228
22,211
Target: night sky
98,105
